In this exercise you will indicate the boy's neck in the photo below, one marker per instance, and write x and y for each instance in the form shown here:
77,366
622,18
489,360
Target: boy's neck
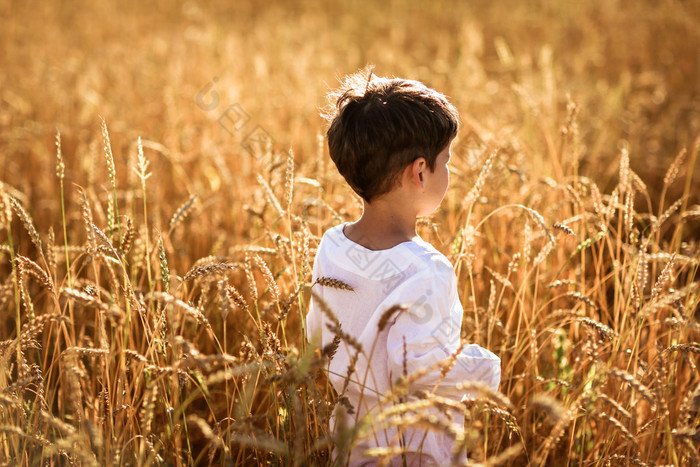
384,224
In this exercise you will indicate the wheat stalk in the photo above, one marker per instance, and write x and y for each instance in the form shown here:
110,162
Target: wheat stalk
208,269
473,194
269,279
662,279
333,283
181,213
27,222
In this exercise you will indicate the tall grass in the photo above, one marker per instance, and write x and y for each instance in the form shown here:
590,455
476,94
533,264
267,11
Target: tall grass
157,272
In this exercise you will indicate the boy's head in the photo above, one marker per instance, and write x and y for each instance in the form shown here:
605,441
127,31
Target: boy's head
378,126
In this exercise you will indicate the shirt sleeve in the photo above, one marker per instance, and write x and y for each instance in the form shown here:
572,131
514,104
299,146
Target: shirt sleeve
430,328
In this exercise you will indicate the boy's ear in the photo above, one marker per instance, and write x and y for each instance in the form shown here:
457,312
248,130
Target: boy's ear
418,170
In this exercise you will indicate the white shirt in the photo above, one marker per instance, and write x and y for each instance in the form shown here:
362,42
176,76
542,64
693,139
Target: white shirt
415,274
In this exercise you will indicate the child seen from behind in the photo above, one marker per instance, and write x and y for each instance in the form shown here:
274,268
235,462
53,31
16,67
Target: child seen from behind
390,139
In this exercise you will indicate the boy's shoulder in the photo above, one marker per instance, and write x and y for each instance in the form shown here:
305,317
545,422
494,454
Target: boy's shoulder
417,255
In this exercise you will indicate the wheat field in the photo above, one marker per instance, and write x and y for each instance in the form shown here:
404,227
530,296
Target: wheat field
164,184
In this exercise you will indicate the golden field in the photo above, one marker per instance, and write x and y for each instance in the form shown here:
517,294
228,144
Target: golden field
165,184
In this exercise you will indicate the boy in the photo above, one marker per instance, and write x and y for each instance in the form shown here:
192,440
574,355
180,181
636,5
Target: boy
390,139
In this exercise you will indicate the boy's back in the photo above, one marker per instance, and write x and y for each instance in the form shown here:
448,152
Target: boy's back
421,337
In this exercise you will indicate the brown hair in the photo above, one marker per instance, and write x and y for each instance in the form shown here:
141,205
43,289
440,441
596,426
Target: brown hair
379,125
